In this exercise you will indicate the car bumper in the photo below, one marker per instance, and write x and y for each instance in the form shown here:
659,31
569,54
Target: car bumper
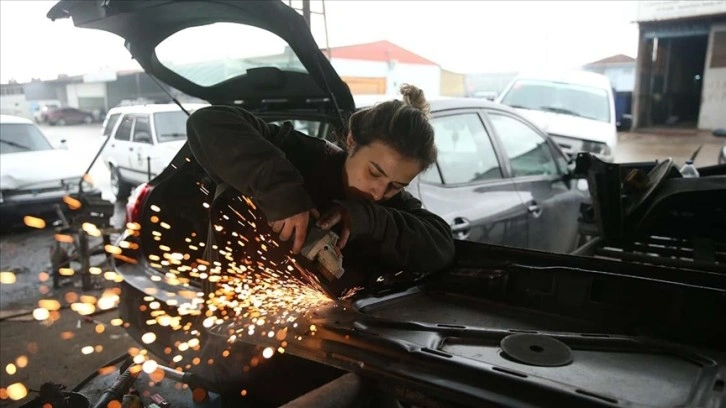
571,146
20,204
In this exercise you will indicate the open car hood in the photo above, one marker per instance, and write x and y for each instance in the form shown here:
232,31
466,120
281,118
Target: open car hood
145,24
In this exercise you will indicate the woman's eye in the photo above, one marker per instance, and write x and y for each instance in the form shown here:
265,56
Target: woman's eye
374,174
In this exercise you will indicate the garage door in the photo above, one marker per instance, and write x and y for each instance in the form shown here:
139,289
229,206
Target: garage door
366,86
90,103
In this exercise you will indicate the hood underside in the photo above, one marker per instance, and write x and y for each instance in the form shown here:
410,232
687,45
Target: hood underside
145,24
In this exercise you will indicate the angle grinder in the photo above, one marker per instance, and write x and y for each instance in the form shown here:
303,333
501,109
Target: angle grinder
320,263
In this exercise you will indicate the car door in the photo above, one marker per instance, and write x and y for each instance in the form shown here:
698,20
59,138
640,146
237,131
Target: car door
119,145
552,204
141,148
467,188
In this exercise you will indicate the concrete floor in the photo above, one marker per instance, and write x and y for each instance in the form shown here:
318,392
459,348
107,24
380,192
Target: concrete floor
650,144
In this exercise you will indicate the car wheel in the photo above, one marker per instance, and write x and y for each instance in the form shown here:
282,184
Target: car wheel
120,188
88,119
61,122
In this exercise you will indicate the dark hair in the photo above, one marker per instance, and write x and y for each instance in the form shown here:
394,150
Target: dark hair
402,125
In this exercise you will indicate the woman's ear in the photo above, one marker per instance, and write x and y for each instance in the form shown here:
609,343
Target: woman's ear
350,142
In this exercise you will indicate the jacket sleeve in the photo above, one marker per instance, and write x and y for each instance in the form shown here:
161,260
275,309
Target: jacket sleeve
410,237
245,152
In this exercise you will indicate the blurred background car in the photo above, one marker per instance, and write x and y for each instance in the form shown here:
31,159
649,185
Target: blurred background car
144,139
576,109
66,116
41,114
33,174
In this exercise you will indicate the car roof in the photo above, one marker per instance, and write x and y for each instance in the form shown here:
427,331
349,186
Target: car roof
437,104
576,77
14,119
155,108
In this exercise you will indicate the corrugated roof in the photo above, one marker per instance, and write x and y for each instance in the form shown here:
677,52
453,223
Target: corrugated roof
378,51
615,59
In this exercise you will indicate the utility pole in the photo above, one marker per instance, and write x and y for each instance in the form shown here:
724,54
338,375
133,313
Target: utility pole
306,11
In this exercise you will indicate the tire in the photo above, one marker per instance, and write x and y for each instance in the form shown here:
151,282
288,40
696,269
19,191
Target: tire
120,188
61,122
88,120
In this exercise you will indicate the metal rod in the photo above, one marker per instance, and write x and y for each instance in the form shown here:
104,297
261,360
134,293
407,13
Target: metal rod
341,392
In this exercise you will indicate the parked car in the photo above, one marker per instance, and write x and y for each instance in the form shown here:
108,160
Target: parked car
501,327
143,140
576,109
67,116
33,174
499,179
41,113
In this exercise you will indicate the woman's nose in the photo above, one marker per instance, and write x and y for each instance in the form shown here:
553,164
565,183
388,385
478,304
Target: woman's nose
378,191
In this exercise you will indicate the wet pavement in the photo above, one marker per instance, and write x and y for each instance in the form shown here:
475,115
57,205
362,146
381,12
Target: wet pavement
26,253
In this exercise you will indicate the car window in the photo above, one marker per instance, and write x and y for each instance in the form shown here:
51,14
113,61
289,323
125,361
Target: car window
557,97
170,126
21,137
110,123
124,128
142,130
527,150
465,152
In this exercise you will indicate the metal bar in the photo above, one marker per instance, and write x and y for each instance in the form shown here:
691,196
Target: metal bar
344,391
85,260
654,260
587,248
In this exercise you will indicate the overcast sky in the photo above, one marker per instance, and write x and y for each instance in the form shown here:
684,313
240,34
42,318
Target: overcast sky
466,36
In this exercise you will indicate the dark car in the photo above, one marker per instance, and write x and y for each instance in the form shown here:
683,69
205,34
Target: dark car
499,179
500,327
67,116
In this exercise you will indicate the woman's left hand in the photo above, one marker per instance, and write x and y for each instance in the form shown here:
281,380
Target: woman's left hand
337,215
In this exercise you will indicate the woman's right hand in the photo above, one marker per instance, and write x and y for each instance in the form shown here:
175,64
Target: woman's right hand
295,226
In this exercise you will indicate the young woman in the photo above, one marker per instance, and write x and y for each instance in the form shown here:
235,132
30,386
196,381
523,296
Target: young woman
293,178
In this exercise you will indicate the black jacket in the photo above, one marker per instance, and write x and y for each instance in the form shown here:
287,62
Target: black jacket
286,172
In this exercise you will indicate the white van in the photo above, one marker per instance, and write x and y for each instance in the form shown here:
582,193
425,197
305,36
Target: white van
575,108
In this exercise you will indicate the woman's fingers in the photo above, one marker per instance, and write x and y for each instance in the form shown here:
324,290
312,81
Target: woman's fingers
344,235
277,225
301,232
330,219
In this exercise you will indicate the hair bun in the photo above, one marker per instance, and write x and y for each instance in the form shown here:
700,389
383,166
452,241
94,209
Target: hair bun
414,96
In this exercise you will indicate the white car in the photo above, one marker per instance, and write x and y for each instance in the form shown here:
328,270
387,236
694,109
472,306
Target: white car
33,174
576,108
143,140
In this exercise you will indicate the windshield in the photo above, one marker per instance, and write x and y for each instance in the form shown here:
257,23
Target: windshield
170,126
21,137
188,53
569,99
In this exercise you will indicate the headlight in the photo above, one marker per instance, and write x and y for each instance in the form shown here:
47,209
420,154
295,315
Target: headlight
596,148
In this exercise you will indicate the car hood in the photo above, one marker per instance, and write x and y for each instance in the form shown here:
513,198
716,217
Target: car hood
40,169
559,124
145,24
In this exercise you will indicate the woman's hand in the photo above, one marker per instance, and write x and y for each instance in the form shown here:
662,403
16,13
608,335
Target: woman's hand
334,216
296,224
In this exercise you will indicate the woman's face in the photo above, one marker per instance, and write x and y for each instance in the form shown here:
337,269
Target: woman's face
377,171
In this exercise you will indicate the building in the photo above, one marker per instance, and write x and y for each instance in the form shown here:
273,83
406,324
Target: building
381,67
681,64
620,70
